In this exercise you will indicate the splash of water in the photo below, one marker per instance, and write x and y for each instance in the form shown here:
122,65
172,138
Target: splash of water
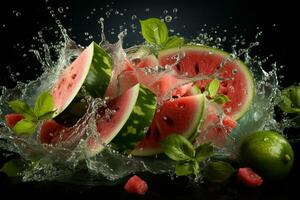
70,156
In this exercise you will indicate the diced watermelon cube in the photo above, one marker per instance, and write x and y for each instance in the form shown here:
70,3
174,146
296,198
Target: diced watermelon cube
136,185
12,119
249,178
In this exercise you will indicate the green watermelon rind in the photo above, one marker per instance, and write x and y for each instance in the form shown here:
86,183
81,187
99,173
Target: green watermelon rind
246,71
191,133
134,96
138,121
95,76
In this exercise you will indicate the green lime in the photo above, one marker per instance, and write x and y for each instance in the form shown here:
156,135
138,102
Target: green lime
268,153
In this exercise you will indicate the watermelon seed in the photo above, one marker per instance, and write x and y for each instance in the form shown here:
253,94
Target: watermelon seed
197,69
178,67
136,61
168,120
74,76
69,85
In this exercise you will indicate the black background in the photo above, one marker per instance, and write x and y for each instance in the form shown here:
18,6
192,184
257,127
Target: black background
279,40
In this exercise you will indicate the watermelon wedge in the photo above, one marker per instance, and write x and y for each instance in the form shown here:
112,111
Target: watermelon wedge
182,116
237,81
91,69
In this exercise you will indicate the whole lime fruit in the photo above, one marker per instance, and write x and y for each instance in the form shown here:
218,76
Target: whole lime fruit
268,153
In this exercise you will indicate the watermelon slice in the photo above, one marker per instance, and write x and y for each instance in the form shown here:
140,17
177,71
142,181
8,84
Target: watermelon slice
237,82
182,116
92,69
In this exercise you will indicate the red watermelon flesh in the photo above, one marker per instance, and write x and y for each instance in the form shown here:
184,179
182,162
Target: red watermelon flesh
52,133
216,127
178,116
160,83
237,81
12,119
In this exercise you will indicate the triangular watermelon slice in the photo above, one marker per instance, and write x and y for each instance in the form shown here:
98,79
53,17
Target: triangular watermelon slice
182,116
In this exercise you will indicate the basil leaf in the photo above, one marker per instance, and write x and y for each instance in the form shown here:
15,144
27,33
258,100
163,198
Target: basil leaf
218,171
221,98
154,31
174,41
13,167
25,126
21,107
184,169
290,100
178,148
213,87
48,115
204,151
44,104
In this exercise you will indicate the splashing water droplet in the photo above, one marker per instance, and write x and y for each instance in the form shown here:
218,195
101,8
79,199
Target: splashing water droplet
168,18
175,10
147,9
133,17
165,11
60,9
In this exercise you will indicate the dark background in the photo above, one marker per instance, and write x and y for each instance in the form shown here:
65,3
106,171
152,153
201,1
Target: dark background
277,21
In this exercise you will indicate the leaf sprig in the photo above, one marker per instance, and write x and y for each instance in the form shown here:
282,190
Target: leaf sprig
42,110
212,90
155,32
189,159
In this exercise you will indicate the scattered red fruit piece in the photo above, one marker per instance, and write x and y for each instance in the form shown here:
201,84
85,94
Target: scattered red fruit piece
12,119
136,185
49,130
249,178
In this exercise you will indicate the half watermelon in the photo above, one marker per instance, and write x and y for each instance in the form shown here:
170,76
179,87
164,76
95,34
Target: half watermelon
236,79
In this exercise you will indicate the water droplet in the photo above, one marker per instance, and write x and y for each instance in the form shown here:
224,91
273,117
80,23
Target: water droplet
18,14
168,18
86,33
147,9
17,73
133,17
90,37
3,25
266,139
60,9
116,12
67,8
24,55
107,13
175,10
165,12
88,17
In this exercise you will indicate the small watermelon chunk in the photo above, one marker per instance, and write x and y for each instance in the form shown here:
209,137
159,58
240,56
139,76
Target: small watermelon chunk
12,119
237,81
49,130
182,116
249,178
136,185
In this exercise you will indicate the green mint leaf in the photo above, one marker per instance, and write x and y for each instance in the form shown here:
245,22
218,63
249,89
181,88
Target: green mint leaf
13,167
21,107
218,171
25,126
154,31
221,98
213,87
44,104
48,115
178,148
174,41
204,151
290,100
184,169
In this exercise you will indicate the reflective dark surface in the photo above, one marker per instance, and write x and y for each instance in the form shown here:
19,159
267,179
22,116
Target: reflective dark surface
278,39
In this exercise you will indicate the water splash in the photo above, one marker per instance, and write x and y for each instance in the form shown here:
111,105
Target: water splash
45,161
